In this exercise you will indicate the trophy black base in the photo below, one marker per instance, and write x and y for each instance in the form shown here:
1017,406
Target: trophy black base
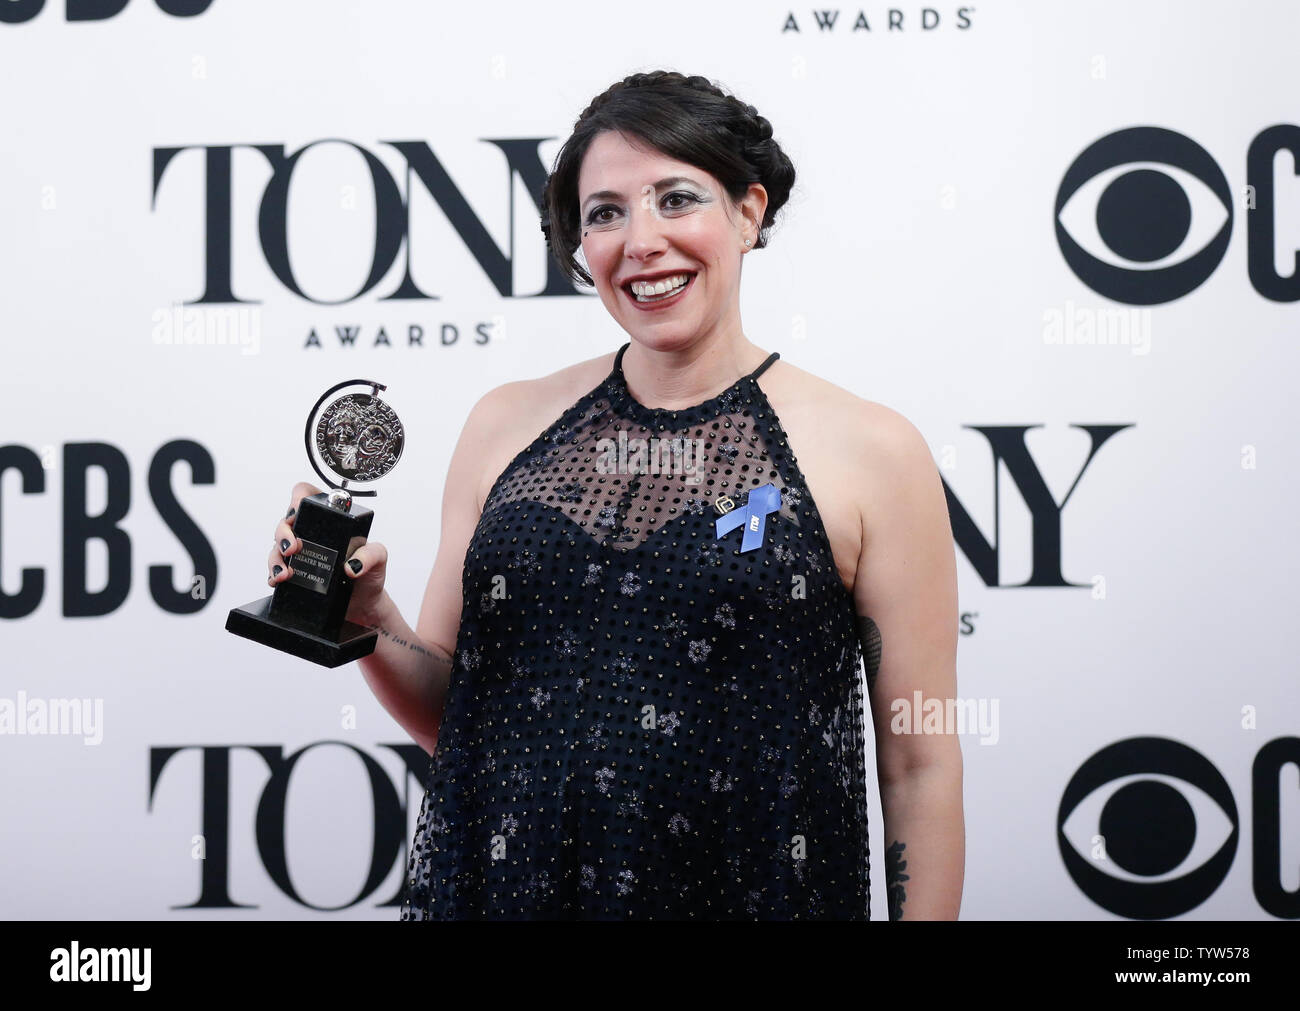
306,615
252,621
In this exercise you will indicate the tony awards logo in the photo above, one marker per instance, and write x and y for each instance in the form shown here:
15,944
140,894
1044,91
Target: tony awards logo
359,438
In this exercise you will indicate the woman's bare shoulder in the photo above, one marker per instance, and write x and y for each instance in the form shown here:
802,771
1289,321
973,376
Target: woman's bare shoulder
507,418
853,423
535,403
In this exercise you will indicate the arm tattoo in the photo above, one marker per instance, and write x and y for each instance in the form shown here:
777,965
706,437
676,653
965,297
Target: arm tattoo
895,865
414,646
894,878
869,633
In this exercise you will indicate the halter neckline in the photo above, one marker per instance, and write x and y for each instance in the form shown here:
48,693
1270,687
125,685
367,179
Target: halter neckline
726,401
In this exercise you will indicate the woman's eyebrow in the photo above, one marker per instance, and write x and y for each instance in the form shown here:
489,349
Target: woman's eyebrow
661,184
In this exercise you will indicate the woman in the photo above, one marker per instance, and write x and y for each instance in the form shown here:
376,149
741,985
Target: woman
636,665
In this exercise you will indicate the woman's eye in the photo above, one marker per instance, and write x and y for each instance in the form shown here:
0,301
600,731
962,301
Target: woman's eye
594,218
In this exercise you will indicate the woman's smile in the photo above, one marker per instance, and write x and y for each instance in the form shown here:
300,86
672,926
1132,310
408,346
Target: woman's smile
658,302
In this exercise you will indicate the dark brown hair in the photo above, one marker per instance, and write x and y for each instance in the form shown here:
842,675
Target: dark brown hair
688,119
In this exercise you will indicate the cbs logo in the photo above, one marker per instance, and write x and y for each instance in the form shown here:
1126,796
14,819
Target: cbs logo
1165,847
15,12
1144,215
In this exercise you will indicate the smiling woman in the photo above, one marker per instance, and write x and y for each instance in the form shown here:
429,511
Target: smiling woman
641,681
708,132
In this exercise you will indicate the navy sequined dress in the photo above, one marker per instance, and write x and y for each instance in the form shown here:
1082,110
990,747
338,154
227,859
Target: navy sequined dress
647,718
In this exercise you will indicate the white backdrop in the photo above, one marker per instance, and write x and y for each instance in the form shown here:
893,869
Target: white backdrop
917,264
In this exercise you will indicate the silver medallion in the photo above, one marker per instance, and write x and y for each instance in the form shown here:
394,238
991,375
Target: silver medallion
359,437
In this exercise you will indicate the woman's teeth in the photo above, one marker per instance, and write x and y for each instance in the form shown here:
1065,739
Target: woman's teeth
648,291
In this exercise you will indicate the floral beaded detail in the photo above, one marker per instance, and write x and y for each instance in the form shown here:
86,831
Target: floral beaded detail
644,722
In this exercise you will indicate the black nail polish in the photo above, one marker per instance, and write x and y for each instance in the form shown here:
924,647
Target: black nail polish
354,564
284,545
289,514
277,570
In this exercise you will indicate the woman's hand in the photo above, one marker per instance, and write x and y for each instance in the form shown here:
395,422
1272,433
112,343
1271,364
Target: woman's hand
366,566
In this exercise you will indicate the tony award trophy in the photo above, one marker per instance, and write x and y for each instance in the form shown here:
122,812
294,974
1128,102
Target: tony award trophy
359,438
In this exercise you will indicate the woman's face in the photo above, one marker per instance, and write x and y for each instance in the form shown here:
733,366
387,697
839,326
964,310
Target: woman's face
642,213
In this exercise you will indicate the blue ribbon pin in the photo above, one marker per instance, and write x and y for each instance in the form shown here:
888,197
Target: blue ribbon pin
764,499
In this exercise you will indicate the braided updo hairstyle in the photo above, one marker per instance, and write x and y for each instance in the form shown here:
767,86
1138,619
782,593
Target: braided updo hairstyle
688,119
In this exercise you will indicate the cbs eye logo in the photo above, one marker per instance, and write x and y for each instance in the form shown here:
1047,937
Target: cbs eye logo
1168,828
1144,215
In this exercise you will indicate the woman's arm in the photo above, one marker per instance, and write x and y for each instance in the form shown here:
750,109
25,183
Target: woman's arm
410,670
907,586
